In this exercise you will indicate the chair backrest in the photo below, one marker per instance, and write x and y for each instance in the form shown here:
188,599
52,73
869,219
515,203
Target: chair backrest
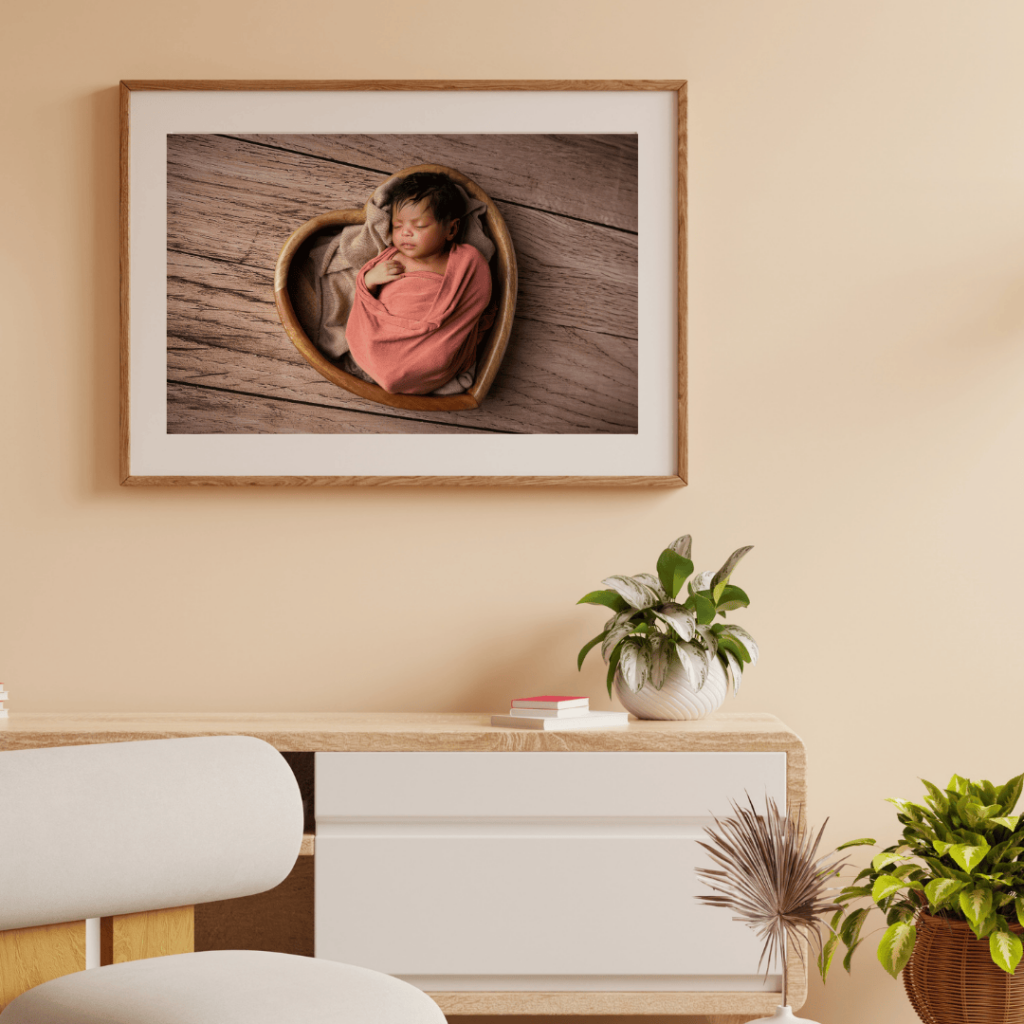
117,828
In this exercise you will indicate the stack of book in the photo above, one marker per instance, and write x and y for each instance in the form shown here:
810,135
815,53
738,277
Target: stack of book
3,699
557,712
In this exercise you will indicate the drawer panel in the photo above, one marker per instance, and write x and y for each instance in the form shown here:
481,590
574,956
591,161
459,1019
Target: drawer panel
532,871
543,784
581,905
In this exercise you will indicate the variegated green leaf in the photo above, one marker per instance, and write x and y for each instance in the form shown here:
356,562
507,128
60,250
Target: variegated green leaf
742,636
972,814
613,668
673,570
733,669
634,591
731,599
885,885
1005,948
941,848
976,903
734,647
635,663
730,563
896,946
609,598
709,640
695,664
938,890
682,545
959,785
648,579
701,582
968,857
615,633
1009,794
1018,905
1007,821
681,619
968,838
850,931
662,651
880,860
936,798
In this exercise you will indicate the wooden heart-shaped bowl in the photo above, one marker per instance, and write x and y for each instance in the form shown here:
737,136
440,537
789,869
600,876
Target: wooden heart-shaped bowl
491,349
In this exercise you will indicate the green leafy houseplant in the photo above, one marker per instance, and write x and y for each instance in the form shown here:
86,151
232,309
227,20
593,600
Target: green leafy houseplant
651,632
960,859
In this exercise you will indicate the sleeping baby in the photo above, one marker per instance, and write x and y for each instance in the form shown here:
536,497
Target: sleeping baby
417,314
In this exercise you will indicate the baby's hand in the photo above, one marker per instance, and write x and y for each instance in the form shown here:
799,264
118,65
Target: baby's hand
383,272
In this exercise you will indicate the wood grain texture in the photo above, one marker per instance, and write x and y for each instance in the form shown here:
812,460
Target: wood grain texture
405,481
279,920
353,730
745,1005
588,203
124,180
400,84
571,365
149,933
30,956
682,428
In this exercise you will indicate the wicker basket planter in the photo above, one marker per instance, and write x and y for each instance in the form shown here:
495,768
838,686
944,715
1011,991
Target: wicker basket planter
951,978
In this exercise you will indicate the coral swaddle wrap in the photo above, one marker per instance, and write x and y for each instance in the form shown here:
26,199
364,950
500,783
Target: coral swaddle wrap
421,329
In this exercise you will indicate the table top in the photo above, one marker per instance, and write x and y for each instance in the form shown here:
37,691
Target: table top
395,731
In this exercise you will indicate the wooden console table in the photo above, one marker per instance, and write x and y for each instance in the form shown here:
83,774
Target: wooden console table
370,823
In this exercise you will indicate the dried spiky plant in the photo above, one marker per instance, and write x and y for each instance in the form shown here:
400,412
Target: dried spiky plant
769,873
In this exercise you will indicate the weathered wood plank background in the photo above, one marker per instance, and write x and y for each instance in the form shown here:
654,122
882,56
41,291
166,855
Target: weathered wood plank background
570,202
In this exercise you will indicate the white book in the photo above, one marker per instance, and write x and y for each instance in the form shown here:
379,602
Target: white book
554,702
591,720
549,712
3,712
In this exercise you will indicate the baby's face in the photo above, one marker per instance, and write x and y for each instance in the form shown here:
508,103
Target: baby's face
416,233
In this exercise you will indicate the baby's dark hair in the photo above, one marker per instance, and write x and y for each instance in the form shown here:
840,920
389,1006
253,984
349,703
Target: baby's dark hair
443,198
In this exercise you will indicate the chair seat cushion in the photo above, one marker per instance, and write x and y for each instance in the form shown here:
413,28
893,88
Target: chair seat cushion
225,987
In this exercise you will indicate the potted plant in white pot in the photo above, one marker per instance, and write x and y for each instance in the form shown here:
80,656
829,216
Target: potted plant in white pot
671,659
952,892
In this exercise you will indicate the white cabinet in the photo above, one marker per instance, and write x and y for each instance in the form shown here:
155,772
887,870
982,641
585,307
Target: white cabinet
533,871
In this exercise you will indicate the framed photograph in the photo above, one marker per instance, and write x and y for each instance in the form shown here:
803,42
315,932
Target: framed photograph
403,283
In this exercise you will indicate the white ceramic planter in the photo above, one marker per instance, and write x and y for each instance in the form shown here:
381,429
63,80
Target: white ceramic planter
675,700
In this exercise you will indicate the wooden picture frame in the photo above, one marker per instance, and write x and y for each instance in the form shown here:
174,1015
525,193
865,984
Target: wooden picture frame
220,386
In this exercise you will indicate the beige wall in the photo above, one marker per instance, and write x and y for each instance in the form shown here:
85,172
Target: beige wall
857,361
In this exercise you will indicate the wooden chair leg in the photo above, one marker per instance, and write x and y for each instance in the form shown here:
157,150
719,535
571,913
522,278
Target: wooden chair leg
147,934
30,956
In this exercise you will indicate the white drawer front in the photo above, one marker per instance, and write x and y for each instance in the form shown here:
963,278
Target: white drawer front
631,785
531,871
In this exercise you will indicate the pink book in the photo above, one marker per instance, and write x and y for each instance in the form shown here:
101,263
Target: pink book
554,702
